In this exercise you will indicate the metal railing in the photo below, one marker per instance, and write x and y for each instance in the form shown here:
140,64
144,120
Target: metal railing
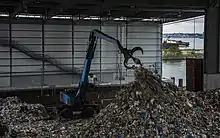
36,56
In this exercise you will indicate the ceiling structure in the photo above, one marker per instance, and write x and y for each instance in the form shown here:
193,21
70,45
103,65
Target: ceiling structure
132,9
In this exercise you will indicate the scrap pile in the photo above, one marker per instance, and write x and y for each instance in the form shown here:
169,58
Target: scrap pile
147,107
13,110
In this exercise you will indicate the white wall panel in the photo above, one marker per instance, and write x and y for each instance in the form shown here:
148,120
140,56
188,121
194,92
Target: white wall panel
58,34
5,81
4,54
80,53
147,36
106,47
51,68
141,28
4,34
58,47
83,28
48,79
4,26
81,34
66,54
28,36
4,69
20,34
4,57
65,61
5,62
28,41
58,44
28,61
58,38
143,41
21,63
27,27
26,69
57,41
57,28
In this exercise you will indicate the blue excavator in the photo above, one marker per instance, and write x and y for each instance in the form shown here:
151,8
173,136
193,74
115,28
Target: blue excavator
75,102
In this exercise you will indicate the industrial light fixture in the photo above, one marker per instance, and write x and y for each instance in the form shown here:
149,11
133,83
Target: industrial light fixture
92,18
4,15
120,19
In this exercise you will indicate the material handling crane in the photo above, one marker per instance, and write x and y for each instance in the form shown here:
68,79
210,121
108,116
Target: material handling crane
76,102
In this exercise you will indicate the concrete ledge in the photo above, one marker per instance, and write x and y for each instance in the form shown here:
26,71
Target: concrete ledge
211,81
38,88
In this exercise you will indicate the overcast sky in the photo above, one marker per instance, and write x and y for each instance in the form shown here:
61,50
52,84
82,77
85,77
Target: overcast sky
185,26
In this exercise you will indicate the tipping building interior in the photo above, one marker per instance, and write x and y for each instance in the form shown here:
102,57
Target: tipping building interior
49,15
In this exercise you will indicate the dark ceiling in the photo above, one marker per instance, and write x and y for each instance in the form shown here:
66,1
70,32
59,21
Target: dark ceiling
175,9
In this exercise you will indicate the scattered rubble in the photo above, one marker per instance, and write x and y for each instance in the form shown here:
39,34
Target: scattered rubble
13,110
147,107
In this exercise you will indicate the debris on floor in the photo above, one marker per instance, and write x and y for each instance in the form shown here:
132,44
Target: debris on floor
147,107
13,110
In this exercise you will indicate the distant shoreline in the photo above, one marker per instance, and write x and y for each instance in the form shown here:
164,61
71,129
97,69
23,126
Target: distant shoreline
184,35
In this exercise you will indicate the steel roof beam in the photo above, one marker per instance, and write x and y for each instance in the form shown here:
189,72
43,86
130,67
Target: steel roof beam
69,4
158,10
21,7
156,2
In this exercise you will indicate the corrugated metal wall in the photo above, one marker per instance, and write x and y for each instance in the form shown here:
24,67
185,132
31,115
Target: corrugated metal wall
4,57
148,36
67,45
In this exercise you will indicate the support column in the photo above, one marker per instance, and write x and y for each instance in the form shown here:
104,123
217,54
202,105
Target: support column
43,54
10,44
211,46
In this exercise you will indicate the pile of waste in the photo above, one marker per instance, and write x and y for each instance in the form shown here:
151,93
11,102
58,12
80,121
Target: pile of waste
14,110
147,107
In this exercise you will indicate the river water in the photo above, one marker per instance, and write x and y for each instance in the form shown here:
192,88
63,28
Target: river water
177,68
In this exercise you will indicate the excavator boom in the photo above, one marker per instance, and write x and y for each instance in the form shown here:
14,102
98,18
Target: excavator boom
79,99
